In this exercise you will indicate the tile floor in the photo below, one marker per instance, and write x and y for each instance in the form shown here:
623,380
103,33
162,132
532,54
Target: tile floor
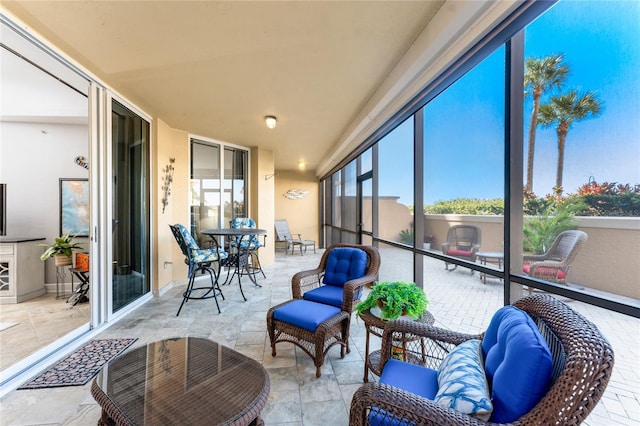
458,300
40,321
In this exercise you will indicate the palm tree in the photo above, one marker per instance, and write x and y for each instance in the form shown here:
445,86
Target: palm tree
540,75
562,111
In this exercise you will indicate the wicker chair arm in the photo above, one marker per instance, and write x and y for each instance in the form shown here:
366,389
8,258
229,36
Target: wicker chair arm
528,258
304,281
351,290
554,264
411,408
437,341
445,246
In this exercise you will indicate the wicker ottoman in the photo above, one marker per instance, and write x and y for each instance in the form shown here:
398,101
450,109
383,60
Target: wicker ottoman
313,327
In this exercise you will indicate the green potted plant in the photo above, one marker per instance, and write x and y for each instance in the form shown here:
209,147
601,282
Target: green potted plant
61,250
395,299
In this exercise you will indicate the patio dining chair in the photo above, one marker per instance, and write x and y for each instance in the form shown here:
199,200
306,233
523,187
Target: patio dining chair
199,261
250,243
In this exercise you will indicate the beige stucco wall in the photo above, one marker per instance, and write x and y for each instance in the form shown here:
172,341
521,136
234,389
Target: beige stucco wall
607,262
303,214
261,194
170,143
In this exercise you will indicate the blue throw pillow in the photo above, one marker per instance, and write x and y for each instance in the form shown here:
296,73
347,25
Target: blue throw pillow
344,264
518,364
462,384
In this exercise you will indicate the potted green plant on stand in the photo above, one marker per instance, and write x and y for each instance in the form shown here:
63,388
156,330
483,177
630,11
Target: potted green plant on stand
395,299
61,250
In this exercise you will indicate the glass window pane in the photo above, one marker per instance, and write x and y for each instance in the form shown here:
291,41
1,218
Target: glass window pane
463,163
395,187
349,200
581,149
204,190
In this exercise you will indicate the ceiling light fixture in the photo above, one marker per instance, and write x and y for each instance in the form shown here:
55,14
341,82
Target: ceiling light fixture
271,121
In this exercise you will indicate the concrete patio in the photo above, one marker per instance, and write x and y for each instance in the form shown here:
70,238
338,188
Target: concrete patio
457,300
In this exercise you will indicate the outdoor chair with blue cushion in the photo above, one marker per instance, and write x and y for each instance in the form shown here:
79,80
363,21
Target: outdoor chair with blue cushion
338,280
538,363
198,260
251,243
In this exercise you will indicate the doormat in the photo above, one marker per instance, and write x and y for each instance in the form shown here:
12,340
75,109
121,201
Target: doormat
81,366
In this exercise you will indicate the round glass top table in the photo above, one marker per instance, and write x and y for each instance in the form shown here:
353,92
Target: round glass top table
181,381
239,260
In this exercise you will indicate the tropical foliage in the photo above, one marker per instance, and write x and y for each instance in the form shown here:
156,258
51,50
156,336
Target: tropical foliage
597,199
540,75
396,298
539,232
494,206
562,111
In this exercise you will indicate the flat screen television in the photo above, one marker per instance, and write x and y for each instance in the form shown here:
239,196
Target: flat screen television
3,209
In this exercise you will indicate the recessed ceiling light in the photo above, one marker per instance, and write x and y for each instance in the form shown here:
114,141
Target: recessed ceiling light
271,121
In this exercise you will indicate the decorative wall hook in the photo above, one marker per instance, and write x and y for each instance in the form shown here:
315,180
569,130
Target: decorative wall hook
267,177
167,180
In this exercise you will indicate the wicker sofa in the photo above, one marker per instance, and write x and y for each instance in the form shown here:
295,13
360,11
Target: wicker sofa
582,362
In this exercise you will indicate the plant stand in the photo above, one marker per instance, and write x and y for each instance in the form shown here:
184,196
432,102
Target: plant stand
375,326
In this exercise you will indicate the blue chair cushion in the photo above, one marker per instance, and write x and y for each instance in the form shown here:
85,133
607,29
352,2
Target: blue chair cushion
344,264
518,364
305,314
327,294
411,378
248,241
462,384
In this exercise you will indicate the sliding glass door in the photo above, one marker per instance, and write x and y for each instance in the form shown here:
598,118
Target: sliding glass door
131,215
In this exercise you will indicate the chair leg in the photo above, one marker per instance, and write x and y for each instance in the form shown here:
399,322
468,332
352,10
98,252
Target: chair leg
211,291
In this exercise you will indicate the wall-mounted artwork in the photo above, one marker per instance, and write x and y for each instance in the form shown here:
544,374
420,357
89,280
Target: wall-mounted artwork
74,207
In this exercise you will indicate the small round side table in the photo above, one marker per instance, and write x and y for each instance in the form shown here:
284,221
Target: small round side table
375,326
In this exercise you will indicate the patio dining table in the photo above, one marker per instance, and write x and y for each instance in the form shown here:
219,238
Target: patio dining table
238,260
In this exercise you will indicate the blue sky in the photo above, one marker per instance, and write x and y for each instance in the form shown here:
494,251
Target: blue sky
464,125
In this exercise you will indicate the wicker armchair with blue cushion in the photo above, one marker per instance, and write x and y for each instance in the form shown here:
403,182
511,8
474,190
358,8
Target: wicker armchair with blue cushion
538,363
319,315
198,260
338,280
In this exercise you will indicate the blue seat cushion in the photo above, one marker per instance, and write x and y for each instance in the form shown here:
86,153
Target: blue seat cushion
327,294
305,314
411,378
518,364
344,264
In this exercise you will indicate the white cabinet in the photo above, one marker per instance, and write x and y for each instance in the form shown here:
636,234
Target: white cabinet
21,270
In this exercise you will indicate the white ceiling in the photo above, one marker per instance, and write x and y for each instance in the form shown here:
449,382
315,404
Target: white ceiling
216,68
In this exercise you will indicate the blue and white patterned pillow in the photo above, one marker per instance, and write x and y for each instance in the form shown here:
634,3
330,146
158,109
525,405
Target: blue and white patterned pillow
462,384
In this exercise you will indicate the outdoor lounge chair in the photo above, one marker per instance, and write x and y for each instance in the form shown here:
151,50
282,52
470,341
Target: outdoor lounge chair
555,263
284,236
542,364
463,242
